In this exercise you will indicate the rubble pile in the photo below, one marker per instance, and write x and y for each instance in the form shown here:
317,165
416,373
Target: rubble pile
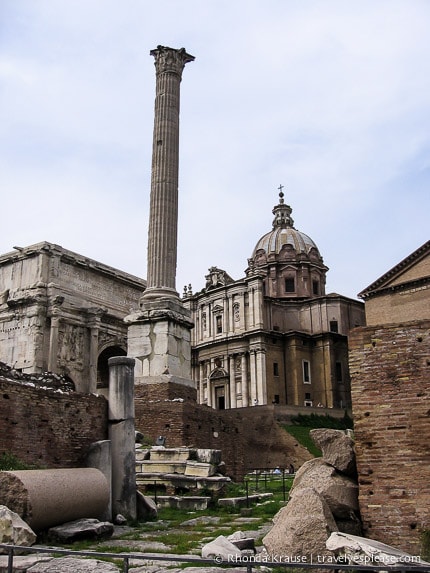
47,380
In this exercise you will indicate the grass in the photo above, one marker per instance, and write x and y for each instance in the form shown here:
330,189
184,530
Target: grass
182,539
301,433
304,423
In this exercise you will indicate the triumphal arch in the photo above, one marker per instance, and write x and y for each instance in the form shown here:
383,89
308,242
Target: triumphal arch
64,313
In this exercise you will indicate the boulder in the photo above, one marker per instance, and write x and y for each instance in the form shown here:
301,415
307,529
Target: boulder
339,491
81,529
146,507
222,548
302,527
74,565
337,449
14,530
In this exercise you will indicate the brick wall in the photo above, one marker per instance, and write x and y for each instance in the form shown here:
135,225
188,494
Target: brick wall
47,427
248,437
55,430
390,371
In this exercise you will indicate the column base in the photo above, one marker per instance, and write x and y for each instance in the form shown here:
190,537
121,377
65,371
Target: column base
159,338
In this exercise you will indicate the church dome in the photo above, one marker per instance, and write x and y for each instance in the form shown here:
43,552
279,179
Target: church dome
273,242
287,259
285,236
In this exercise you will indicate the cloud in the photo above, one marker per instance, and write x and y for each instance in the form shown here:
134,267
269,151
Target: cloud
329,98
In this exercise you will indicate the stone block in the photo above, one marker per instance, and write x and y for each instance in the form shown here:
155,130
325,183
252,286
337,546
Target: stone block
221,547
199,469
160,467
208,456
170,454
80,529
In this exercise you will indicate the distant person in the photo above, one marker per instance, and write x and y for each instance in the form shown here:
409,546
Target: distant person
277,471
291,469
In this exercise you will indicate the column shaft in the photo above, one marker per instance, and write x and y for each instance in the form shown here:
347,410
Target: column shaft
163,220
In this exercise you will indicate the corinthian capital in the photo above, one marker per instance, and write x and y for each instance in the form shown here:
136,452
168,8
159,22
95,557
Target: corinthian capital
170,60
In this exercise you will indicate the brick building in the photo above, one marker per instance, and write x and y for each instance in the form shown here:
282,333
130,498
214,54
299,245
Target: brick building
390,386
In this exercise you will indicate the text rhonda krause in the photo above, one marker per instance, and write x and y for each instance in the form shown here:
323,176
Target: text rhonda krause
328,559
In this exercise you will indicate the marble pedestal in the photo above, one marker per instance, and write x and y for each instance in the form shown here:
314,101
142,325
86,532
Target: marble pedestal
159,339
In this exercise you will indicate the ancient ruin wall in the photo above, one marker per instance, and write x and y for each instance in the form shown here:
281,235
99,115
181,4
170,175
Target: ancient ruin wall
47,427
390,370
248,437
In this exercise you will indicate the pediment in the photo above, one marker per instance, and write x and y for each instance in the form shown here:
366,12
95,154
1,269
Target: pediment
415,267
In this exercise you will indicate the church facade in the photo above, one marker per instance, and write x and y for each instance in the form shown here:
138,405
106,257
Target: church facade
273,336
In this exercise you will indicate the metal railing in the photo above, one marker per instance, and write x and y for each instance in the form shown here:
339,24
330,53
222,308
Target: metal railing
246,561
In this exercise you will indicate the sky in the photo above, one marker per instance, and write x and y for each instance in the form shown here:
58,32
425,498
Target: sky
330,98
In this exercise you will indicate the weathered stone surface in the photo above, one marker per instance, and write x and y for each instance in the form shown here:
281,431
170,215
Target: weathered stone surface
242,541
45,498
81,529
337,449
199,469
14,530
363,551
302,527
208,456
162,454
339,491
146,507
192,503
203,520
120,519
23,562
220,547
73,565
159,467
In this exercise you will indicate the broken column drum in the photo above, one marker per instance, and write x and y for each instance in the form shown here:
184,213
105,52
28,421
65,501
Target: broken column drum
44,498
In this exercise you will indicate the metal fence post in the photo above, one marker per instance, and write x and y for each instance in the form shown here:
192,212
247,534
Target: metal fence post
10,560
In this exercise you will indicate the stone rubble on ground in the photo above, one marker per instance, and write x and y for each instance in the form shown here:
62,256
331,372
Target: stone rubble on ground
221,548
49,380
81,529
14,530
361,551
74,565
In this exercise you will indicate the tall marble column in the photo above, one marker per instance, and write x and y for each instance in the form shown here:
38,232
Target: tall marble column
159,334
163,219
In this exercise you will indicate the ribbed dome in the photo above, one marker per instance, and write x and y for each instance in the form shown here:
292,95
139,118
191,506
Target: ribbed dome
273,242
283,233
